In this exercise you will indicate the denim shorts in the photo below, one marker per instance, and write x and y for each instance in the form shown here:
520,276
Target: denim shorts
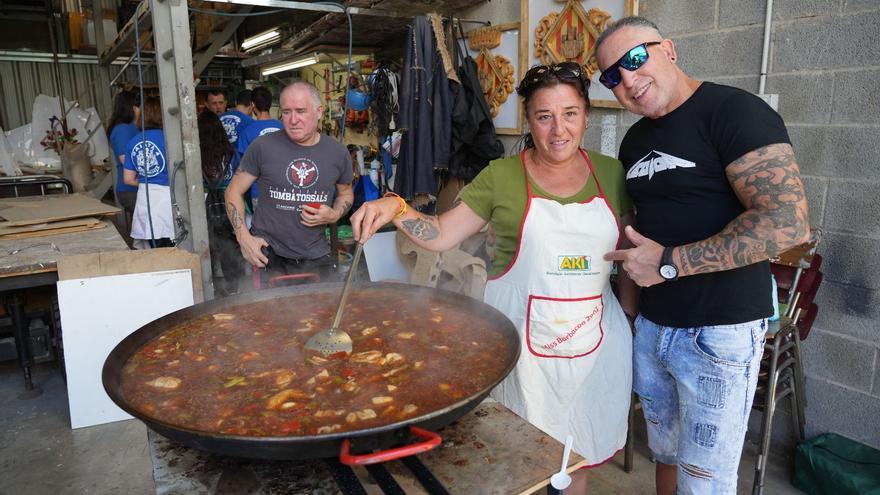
696,387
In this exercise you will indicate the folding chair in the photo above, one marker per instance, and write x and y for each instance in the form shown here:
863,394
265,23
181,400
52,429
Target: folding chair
781,375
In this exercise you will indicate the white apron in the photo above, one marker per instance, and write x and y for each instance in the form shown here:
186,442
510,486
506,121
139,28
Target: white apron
574,375
160,206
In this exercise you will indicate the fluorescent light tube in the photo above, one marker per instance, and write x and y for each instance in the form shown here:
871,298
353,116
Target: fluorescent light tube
260,39
293,64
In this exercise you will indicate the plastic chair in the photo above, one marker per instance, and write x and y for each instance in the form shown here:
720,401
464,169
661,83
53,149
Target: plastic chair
781,375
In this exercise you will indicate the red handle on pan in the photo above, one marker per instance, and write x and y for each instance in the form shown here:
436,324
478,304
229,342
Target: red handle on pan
430,438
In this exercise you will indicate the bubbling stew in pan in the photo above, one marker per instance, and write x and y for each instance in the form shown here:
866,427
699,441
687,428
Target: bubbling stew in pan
245,372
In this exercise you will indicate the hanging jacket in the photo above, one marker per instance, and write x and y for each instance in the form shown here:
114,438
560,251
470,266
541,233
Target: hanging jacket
474,142
425,113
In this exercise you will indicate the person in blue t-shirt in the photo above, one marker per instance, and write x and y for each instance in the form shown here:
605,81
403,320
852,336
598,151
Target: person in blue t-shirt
239,117
218,164
262,125
122,127
146,167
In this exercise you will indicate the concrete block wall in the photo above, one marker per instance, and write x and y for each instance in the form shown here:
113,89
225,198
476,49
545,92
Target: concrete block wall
825,66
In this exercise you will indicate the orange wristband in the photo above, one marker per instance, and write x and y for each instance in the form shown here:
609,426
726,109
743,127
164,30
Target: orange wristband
402,210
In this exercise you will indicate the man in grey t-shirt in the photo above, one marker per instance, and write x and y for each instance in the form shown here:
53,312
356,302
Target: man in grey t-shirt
304,179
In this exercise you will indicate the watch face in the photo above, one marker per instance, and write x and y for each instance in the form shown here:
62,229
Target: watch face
668,272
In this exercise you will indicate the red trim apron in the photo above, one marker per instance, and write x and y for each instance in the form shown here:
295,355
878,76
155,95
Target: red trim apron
574,375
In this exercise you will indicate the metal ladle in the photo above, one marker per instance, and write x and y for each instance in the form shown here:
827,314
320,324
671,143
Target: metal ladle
333,340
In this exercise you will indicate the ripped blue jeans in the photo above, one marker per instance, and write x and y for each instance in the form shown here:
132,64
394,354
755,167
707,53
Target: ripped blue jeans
696,387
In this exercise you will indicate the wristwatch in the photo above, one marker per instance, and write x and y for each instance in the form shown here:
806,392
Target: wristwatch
668,270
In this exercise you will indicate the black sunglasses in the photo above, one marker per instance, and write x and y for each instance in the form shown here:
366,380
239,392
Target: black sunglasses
631,60
563,70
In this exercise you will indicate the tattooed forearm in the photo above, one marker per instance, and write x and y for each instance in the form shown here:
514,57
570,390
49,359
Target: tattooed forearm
422,228
341,207
234,217
767,182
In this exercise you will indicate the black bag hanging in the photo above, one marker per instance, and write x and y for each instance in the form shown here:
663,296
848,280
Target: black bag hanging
474,142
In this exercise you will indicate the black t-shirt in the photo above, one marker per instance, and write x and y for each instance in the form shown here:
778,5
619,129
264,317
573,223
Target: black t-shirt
676,178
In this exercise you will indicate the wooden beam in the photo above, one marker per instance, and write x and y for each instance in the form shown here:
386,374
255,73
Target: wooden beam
126,34
218,40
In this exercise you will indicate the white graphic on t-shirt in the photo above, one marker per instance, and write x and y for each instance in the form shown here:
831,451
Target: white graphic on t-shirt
269,130
148,158
304,197
302,173
230,125
656,161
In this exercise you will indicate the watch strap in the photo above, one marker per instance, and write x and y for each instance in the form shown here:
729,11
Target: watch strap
666,258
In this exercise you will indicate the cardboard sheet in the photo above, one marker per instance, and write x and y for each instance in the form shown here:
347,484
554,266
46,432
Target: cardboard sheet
96,314
124,262
51,228
22,257
41,209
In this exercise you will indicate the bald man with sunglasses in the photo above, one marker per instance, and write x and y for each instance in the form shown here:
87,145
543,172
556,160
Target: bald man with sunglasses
717,192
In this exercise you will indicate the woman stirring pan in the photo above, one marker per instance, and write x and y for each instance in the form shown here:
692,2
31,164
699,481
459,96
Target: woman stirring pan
554,211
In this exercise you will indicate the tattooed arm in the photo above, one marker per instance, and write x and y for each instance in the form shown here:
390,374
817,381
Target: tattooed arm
251,247
768,184
430,232
344,200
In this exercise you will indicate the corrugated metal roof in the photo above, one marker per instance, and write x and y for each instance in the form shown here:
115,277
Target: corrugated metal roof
22,81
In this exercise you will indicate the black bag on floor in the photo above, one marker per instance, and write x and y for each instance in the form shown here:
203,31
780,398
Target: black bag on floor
834,465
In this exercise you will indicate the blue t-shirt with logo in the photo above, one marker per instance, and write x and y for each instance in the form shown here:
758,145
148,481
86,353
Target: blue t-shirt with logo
249,134
119,138
255,129
233,121
148,157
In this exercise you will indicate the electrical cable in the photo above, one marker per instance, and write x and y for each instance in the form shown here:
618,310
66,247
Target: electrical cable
236,14
348,68
137,51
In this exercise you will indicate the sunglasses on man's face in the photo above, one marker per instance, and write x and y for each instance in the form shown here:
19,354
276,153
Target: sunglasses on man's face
631,60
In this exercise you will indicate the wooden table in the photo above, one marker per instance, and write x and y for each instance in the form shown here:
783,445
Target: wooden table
33,262
488,450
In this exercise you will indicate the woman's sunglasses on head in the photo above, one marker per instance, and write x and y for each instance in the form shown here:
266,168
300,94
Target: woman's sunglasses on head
569,70
631,60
